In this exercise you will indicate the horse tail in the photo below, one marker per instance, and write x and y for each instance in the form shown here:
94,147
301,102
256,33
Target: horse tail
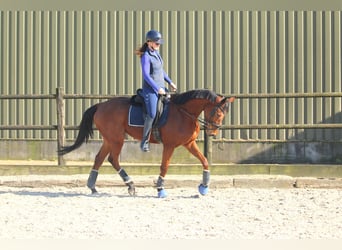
85,131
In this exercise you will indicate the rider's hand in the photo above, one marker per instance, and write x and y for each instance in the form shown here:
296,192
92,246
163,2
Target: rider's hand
161,91
173,86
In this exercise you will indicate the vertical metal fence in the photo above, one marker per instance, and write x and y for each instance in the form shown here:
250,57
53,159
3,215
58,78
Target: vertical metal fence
242,53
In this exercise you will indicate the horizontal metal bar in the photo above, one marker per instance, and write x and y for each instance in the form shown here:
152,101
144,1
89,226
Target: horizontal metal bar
241,96
284,126
34,96
265,126
224,140
65,96
226,127
286,95
255,126
28,127
71,127
83,96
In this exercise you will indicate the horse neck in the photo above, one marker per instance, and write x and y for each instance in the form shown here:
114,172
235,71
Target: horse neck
195,106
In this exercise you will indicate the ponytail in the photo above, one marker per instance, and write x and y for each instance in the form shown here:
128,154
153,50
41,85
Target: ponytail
140,51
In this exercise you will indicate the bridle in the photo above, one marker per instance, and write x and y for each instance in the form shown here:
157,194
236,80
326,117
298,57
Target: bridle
223,106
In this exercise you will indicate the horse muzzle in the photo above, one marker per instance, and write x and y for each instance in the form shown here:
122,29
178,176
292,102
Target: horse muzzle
211,131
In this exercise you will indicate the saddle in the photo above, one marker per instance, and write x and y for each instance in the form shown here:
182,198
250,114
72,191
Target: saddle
137,101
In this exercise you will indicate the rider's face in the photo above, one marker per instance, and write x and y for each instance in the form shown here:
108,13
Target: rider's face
154,45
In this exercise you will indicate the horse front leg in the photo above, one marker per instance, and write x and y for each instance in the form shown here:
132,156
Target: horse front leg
203,188
167,153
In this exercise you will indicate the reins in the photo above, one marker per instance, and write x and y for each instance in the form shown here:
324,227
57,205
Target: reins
192,116
200,120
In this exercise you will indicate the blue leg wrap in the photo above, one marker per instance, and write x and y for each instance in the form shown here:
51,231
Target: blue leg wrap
203,187
124,175
206,177
128,181
160,183
92,179
160,187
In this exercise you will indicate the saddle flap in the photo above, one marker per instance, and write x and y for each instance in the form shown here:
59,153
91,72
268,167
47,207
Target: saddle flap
138,99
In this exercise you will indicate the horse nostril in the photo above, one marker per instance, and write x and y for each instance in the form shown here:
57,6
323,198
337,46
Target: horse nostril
211,132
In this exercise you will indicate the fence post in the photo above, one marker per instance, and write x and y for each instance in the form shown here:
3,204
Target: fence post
208,148
60,123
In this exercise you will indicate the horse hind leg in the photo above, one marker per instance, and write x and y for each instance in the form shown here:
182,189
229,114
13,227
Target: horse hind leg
101,155
124,176
128,181
92,180
114,160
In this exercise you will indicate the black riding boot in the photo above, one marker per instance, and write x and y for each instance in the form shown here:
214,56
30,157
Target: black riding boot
146,134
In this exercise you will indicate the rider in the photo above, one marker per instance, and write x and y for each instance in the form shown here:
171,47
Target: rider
153,81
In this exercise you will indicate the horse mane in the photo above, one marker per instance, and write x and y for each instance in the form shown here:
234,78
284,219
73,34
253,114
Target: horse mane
194,94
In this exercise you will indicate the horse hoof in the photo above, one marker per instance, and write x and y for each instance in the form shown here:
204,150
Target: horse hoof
203,190
93,191
131,191
131,188
162,193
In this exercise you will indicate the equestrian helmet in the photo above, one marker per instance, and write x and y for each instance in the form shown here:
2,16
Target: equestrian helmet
154,36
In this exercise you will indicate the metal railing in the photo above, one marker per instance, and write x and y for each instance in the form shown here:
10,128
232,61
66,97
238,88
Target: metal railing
60,127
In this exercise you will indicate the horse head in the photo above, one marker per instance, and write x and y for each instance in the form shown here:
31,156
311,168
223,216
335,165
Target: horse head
214,114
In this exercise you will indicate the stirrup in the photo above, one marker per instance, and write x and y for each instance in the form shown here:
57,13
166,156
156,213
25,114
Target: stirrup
145,147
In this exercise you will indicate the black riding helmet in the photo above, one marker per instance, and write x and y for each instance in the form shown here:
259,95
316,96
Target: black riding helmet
154,36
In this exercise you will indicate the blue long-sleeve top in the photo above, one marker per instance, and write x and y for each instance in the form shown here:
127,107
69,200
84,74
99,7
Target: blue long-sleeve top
152,70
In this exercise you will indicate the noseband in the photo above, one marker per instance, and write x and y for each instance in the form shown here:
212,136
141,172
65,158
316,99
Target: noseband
206,124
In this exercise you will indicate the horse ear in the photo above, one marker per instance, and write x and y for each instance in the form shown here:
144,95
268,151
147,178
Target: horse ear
230,99
225,100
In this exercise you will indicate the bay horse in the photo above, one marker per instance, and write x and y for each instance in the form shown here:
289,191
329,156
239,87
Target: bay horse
181,129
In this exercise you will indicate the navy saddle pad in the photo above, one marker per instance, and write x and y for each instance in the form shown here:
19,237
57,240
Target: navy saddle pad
136,119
